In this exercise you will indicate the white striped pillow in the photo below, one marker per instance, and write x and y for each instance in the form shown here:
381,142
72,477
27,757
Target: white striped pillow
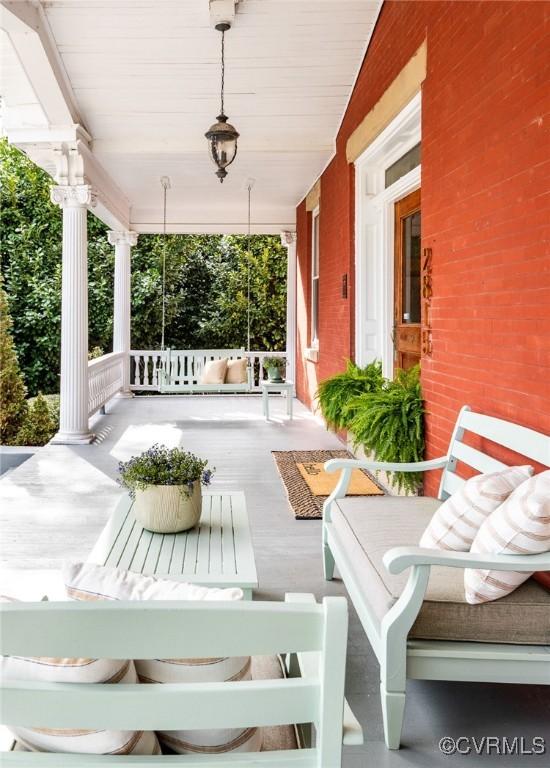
457,521
519,526
212,740
88,581
59,670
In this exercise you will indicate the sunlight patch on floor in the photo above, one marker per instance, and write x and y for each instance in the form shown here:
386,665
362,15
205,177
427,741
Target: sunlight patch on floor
49,470
140,437
11,491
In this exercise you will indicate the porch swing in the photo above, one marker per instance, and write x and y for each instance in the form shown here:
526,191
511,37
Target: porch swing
182,370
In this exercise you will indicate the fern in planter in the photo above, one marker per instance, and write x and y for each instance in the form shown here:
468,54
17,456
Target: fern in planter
390,424
335,395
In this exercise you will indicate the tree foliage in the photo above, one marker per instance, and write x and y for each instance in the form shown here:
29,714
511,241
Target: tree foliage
207,292
39,426
30,244
13,406
206,281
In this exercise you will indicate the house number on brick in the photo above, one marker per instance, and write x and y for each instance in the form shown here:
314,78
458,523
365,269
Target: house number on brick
427,301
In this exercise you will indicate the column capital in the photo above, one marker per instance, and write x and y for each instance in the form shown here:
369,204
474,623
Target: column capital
288,238
73,196
122,237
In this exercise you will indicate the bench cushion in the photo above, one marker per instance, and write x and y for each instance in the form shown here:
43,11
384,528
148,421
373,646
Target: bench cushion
368,527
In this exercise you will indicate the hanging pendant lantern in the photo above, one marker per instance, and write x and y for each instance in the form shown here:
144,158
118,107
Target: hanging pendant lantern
222,136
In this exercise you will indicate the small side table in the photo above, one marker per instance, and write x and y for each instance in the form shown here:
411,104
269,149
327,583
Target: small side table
277,386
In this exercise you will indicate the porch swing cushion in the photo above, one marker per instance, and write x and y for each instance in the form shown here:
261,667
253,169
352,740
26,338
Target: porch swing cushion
214,372
236,372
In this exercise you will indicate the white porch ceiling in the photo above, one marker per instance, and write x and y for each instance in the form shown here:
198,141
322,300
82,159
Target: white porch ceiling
143,80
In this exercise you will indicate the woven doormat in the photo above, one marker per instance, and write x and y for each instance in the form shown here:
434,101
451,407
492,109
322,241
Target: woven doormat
305,504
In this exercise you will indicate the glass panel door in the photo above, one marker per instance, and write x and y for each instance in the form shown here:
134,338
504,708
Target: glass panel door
410,278
407,281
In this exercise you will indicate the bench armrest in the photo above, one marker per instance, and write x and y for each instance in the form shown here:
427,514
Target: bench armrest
397,622
400,558
333,465
348,465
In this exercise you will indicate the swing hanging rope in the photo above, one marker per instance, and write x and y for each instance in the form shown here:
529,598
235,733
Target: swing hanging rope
165,182
250,184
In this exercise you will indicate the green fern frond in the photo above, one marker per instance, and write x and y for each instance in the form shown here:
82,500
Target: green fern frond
390,424
336,393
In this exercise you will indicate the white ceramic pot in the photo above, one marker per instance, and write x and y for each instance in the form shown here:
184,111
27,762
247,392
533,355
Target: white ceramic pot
167,508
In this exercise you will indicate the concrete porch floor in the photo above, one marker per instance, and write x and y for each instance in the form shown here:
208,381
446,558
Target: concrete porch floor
55,504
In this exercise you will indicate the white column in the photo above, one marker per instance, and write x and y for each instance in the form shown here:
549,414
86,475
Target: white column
73,419
288,239
123,242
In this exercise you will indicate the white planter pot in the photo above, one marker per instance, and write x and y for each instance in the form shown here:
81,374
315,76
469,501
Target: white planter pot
167,508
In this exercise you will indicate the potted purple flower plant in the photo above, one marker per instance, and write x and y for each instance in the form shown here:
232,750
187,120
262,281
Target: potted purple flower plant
166,484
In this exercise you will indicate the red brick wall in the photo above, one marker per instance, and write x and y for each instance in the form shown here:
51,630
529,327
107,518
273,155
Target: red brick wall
485,207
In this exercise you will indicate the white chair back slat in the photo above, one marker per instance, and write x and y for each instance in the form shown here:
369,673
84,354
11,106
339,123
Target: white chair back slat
120,630
305,758
160,707
476,459
451,484
524,441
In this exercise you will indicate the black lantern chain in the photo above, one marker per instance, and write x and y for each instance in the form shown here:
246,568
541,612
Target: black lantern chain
222,136
222,111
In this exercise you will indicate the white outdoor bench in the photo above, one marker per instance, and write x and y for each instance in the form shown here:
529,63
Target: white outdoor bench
421,627
140,630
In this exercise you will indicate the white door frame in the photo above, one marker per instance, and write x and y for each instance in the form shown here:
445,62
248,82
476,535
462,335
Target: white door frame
374,234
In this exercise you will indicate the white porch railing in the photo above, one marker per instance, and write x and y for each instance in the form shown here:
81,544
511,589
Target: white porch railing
145,364
105,379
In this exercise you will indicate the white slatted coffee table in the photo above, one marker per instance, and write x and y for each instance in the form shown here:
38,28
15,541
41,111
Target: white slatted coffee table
217,552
